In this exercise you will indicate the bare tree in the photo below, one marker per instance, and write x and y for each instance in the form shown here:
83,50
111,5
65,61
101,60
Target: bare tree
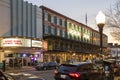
113,20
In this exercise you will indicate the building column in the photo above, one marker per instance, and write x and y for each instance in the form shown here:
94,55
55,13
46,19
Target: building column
2,56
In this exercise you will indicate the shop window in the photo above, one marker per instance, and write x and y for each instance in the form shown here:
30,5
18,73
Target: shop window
10,55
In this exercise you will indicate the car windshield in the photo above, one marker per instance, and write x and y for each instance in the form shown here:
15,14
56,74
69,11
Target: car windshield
69,68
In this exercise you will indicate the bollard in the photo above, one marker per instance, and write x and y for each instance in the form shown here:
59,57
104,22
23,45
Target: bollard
3,67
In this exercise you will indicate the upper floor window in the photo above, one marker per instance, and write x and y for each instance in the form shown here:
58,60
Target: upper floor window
46,29
63,23
58,21
52,19
46,16
55,19
49,17
58,32
52,30
63,33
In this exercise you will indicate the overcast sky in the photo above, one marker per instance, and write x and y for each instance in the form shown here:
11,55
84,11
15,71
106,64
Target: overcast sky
76,9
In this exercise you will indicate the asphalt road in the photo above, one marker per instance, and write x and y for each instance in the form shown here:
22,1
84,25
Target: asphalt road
48,74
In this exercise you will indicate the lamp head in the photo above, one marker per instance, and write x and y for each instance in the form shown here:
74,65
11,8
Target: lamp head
100,18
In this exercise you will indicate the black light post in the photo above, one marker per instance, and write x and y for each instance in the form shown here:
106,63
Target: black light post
100,20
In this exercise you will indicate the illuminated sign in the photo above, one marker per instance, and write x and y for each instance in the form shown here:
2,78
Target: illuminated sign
36,43
15,42
45,45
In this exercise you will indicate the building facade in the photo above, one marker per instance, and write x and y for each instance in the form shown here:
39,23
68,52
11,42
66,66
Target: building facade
21,31
34,33
114,50
68,39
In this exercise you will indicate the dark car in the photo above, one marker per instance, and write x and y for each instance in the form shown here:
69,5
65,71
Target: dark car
52,65
79,71
41,66
47,66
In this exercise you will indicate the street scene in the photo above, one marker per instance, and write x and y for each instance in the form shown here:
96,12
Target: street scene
59,40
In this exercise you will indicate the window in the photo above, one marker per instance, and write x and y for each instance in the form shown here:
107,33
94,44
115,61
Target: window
52,19
49,17
63,33
58,32
46,16
55,19
70,25
63,23
52,30
49,29
46,29
69,36
55,31
58,21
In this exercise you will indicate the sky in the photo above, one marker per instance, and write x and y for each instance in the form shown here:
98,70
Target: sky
77,9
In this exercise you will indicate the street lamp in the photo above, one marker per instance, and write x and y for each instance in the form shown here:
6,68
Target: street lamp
100,20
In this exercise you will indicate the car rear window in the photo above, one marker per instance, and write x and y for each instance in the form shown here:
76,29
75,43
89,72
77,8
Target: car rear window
69,68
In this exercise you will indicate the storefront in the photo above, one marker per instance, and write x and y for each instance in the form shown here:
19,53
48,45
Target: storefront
61,57
27,51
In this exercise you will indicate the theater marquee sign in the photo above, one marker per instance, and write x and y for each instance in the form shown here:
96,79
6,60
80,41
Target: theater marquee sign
15,42
21,42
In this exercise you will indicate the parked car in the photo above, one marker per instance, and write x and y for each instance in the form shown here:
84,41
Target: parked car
41,66
52,65
47,66
79,71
